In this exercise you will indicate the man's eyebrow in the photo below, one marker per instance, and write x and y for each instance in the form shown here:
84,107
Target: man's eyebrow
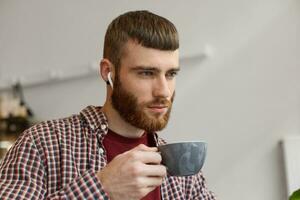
149,68
175,69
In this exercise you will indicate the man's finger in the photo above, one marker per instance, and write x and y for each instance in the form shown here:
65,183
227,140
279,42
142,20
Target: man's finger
149,157
143,147
150,182
154,170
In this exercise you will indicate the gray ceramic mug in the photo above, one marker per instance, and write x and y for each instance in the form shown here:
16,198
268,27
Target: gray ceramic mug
183,158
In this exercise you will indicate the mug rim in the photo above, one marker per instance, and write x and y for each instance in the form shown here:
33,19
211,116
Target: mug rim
184,142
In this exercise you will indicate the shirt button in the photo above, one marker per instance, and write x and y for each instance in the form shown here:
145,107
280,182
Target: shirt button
101,151
103,126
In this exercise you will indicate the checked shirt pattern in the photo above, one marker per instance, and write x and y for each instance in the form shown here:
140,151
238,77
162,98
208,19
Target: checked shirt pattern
59,159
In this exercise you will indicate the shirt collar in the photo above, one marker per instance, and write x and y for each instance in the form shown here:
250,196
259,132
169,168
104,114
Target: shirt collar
95,118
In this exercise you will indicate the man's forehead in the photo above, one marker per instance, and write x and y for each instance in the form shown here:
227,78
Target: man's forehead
135,54
135,45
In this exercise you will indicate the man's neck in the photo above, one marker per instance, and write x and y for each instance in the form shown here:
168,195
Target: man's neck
117,124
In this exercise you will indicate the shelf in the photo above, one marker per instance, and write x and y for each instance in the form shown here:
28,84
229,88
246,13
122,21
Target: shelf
66,73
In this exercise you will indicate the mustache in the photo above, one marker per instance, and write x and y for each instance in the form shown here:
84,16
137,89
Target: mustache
160,102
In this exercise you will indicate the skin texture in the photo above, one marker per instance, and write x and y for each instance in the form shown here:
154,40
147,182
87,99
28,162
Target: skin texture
148,75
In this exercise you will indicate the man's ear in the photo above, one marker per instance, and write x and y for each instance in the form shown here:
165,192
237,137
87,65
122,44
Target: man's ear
105,67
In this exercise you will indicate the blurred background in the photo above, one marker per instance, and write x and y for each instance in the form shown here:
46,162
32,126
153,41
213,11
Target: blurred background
238,89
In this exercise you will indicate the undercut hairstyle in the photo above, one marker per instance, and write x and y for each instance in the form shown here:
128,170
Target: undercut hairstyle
143,27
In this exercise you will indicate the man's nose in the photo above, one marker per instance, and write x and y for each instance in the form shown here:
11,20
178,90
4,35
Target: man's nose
161,88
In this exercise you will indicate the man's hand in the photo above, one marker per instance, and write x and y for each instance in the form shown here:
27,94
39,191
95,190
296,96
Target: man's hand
133,174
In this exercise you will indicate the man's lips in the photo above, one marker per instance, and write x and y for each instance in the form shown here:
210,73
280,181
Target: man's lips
158,108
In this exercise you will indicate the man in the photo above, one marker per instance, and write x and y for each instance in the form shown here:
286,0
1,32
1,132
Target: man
110,152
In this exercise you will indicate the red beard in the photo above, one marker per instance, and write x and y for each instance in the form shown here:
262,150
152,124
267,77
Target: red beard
128,108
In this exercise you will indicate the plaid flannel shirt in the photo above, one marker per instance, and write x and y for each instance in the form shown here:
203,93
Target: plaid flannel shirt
59,159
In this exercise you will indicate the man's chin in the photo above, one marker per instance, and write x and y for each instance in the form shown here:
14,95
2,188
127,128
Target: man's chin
156,123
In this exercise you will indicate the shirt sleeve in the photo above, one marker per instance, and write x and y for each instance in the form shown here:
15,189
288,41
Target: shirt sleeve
200,190
23,176
84,187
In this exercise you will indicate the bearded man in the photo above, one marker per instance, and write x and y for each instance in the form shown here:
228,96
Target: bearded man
110,152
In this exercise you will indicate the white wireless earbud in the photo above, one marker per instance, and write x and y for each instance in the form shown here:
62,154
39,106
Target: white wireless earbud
110,80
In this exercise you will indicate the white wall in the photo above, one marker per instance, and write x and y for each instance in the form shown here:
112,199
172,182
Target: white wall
243,100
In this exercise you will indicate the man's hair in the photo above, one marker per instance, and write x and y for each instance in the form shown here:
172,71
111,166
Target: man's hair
144,27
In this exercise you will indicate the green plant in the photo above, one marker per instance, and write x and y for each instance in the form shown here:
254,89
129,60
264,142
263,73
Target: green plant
295,195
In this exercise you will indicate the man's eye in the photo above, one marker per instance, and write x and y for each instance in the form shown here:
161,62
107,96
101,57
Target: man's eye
171,74
146,73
